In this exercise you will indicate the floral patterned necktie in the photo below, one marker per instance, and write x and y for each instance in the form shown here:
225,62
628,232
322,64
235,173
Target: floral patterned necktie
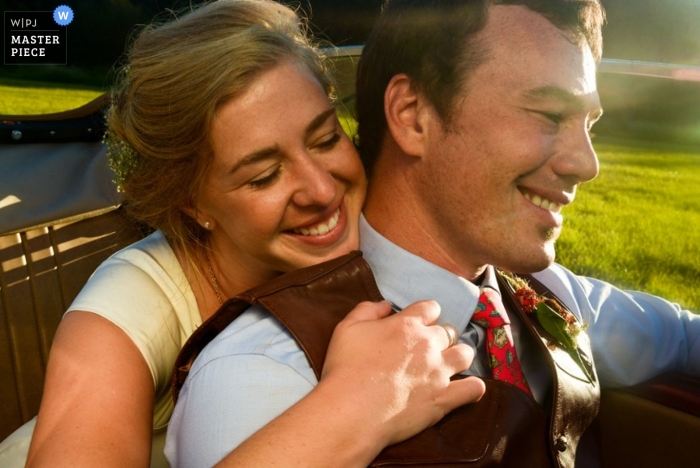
503,359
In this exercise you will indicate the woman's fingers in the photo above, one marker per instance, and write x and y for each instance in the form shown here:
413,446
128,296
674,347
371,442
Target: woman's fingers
463,391
368,311
398,366
426,312
458,358
451,333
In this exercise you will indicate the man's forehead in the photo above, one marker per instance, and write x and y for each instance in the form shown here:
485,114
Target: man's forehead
522,45
518,25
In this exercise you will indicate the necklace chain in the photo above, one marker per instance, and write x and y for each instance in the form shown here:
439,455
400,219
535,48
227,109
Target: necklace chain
214,281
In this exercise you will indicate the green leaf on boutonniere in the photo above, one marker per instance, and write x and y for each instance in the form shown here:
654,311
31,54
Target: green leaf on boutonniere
556,326
576,356
564,331
556,319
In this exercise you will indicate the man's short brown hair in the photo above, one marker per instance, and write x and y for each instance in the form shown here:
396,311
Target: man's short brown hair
432,42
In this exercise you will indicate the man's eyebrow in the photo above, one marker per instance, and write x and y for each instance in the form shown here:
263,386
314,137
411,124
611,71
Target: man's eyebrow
554,92
265,153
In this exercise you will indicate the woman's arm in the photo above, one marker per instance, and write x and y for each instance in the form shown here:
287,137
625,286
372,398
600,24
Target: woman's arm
385,379
97,407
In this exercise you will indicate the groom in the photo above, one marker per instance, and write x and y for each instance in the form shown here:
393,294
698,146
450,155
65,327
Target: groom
474,121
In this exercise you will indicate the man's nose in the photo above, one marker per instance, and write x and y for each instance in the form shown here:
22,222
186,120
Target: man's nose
577,160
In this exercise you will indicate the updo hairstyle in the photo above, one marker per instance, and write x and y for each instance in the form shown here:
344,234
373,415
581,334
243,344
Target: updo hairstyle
177,76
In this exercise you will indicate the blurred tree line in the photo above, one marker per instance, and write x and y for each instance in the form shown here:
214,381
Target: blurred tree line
649,108
653,30
647,30
102,30
97,36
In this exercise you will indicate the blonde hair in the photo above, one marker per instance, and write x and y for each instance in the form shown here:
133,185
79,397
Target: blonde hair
177,76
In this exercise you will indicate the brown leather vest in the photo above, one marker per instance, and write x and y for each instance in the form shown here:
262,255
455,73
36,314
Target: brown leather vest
505,428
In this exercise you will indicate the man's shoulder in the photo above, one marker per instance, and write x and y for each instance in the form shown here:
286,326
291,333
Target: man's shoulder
256,333
310,302
566,284
554,275
570,288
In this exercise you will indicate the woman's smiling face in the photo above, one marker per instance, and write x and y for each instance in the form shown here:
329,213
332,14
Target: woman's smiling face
285,187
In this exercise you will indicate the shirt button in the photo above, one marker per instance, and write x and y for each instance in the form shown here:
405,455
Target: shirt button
561,444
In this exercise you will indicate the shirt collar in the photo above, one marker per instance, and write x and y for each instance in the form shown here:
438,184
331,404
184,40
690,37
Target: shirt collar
404,278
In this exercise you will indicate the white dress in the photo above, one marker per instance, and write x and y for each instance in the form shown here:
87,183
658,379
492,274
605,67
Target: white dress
143,290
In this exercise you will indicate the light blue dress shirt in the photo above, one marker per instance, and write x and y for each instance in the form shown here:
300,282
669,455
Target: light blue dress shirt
254,370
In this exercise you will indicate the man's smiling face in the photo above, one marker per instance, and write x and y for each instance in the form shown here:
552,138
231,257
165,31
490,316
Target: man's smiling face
498,175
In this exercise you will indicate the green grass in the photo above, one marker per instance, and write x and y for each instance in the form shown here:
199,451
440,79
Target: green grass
19,97
638,224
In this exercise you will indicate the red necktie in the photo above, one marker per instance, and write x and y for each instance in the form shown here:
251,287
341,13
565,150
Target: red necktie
503,359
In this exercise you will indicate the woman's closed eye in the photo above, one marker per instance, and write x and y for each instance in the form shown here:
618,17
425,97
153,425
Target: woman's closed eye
270,175
266,178
328,142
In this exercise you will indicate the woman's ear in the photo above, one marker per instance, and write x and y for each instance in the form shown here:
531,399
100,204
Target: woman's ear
207,222
406,111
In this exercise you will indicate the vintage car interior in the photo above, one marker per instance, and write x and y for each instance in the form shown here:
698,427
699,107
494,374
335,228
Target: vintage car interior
60,217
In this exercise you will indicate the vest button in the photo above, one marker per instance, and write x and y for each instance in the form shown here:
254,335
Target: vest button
561,444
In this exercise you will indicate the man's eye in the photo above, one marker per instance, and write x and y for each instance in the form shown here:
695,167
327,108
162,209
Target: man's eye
552,116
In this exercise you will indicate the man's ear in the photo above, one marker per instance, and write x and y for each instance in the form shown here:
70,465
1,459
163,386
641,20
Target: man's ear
406,111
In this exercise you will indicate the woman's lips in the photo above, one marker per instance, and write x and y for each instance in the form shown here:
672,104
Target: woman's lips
321,228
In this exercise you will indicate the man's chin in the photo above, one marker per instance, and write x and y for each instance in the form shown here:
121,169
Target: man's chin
548,251
547,257
533,261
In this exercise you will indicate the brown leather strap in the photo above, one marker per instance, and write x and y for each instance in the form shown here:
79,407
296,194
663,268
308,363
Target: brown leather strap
303,294
505,428
574,400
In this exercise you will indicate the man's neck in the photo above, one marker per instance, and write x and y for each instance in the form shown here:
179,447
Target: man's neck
397,216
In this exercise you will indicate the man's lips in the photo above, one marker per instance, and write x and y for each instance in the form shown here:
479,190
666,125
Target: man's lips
545,203
322,228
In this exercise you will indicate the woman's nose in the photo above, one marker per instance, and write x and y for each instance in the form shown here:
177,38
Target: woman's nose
315,183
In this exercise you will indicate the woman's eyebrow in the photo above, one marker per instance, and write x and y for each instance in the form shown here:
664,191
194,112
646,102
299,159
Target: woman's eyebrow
264,153
252,158
319,120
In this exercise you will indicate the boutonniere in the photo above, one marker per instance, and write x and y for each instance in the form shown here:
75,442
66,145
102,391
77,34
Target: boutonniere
553,316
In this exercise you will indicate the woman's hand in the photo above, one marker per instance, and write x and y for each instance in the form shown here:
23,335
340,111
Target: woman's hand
386,377
395,369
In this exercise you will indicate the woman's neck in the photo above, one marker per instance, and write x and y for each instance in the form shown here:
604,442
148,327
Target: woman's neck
212,281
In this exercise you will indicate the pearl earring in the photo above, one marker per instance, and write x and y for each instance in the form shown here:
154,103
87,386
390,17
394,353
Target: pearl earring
207,225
